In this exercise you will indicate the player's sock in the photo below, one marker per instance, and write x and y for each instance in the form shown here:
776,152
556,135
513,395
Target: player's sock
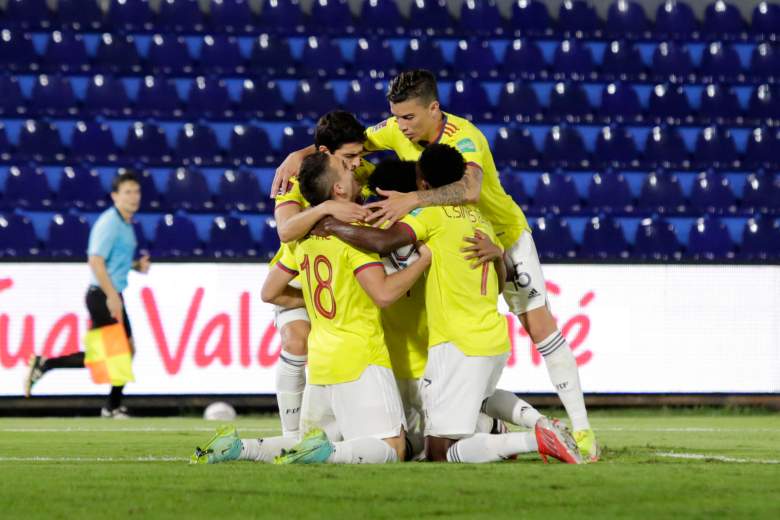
565,376
115,397
484,447
70,361
264,450
290,382
366,450
510,408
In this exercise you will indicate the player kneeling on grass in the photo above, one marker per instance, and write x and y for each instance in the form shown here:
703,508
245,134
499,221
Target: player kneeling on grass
468,341
351,407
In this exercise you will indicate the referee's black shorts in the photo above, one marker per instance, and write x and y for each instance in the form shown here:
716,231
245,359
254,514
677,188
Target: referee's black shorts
99,313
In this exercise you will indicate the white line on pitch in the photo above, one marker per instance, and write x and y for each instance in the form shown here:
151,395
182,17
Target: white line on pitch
719,458
124,430
92,459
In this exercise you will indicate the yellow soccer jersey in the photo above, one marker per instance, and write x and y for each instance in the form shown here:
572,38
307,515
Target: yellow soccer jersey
462,303
346,329
506,216
406,332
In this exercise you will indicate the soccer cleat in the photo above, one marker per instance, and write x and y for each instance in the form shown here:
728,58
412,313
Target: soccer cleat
34,373
224,446
554,439
314,448
587,444
116,413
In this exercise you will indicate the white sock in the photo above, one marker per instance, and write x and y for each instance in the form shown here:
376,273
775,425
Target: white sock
290,382
366,450
565,376
510,408
484,447
264,450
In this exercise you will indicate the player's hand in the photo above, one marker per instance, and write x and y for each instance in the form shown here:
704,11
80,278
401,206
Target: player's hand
481,250
114,304
320,229
393,208
286,171
426,256
143,264
348,212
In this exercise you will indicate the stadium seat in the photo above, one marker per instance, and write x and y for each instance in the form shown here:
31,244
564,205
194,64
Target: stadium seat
68,236
269,240
712,194
65,52
332,17
196,144
763,148
383,17
564,147
622,61
480,18
322,58
661,193
524,59
764,103
12,102
374,59
615,147
672,62
151,200
158,98
117,54
130,15
765,22
664,147
553,238
513,186
760,239
764,62
429,17
40,141
468,99
261,99
578,18
272,55
676,20
294,138
609,193
168,54
250,145
183,16
187,189
715,148
475,59
17,51
669,103
284,16
719,105
313,98
569,102
175,236
556,193
5,146
604,239
626,19
531,18
709,239
720,63
80,15
220,55
573,60
514,147
27,188
518,102
209,98
106,96
147,143
723,20
366,99
656,239
231,16
17,237
240,191
425,54
53,96
620,104
761,195
93,141
81,189
28,14
229,237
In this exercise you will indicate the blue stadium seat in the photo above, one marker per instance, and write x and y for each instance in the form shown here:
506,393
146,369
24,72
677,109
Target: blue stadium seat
553,238
524,59
604,239
229,237
574,60
715,147
712,194
221,55
68,236
564,147
80,15
175,236
17,51
17,237
764,103
383,17
106,96
93,141
65,52
81,189
269,239
187,189
723,20
12,102
765,62
761,194
272,56
146,142
184,16
610,193
615,147
28,14
577,18
261,99
676,20
656,239
515,147
513,186
429,17
209,98
669,103
765,22
313,98
468,99
250,145
763,148
196,144
130,15
760,239
620,104
719,104
27,188
374,58
332,17
53,96
518,102
556,193
664,147
284,16
709,239
168,54
295,138
231,16
480,18
140,238
531,18
475,59
117,53
5,146
151,200
421,53
569,102
661,193
622,61
240,191
672,62
157,97
322,58
720,63
626,19
40,141
366,99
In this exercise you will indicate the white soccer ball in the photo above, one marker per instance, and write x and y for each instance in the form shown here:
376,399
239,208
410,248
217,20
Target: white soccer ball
400,259
219,411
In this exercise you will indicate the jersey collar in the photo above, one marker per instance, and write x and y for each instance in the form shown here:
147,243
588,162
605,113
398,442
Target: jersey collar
441,132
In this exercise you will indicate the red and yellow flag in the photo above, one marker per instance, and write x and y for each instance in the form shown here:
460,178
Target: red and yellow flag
108,355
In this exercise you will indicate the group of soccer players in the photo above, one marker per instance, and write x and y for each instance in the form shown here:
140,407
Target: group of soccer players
404,350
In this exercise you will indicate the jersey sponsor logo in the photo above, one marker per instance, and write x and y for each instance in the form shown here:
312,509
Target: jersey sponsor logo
466,145
533,294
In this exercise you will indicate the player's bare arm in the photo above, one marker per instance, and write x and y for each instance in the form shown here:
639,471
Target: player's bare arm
276,289
289,169
382,241
292,223
386,289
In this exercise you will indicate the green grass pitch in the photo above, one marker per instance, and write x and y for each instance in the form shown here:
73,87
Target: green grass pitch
656,464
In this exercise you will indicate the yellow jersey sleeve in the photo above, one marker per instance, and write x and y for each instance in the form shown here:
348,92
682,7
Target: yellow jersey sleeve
419,223
285,260
382,136
358,260
293,196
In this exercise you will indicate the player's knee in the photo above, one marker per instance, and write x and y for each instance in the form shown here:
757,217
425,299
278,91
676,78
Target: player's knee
538,323
398,444
436,448
294,337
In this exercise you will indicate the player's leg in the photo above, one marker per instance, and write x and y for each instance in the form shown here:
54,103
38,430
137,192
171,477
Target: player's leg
114,408
507,407
294,328
409,390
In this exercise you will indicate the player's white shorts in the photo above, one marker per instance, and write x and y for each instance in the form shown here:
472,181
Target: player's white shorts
454,386
411,397
367,407
527,291
283,316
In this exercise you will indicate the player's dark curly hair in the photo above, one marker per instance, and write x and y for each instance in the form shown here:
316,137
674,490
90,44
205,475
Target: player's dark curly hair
441,164
337,128
123,177
316,178
394,174
413,84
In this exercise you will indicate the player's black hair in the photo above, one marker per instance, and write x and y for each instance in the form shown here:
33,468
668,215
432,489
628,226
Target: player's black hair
316,178
394,174
337,128
441,164
413,84
122,177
